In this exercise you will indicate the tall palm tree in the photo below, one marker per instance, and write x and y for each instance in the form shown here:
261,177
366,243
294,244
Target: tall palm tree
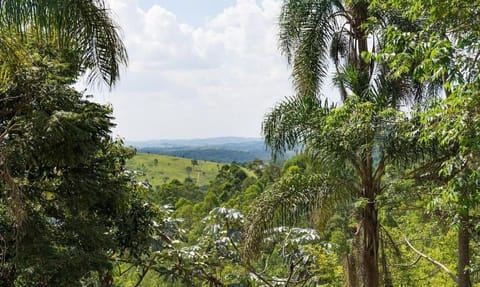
84,26
351,146
353,143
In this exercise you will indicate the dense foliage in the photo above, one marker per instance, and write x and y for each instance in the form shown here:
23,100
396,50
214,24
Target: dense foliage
385,192
66,204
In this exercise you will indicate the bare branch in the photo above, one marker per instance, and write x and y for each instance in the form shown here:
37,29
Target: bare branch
431,260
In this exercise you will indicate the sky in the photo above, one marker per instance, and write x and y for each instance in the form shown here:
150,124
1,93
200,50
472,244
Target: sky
197,68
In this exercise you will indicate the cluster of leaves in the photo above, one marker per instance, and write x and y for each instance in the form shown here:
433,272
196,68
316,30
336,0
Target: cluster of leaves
211,251
67,207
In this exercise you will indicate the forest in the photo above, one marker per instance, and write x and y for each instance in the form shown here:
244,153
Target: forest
385,190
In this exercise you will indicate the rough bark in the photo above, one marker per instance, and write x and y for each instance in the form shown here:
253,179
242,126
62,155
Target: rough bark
368,231
369,256
366,244
360,16
350,268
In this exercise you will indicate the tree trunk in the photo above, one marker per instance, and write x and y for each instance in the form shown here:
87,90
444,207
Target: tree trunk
369,252
387,276
464,251
107,280
367,233
350,268
359,18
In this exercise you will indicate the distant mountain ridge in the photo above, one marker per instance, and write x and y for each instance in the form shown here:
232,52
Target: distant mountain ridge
193,142
220,149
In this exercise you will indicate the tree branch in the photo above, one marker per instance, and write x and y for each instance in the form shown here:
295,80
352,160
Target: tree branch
431,260
409,264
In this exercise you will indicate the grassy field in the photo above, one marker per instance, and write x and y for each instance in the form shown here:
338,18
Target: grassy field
158,169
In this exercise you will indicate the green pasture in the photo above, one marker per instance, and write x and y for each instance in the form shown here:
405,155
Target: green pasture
159,169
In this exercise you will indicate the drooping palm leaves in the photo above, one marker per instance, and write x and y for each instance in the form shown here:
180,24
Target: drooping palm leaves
288,200
84,26
311,31
306,28
351,145
289,122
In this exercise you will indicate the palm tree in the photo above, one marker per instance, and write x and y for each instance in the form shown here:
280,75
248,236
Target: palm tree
83,26
351,146
313,30
352,143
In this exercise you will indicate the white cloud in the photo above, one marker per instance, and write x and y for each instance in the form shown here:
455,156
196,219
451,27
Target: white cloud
187,81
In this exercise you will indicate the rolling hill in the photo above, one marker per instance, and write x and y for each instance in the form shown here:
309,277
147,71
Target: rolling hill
158,169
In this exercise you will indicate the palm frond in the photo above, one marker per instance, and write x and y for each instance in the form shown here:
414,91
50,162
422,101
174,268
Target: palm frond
306,28
288,123
338,47
11,56
394,92
287,201
357,82
82,25
405,90
103,50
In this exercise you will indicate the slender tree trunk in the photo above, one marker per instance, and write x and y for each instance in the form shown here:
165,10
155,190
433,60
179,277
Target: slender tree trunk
463,258
366,244
367,237
368,233
387,276
463,249
360,16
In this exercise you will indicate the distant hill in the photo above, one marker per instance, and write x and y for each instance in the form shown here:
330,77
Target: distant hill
217,154
224,149
193,142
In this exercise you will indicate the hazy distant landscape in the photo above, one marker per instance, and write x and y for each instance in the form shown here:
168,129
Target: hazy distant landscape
221,149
